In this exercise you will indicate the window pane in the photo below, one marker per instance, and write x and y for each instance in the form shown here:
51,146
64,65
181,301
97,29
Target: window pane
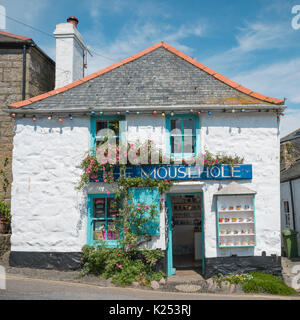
286,206
112,208
99,230
101,125
114,126
176,124
112,231
176,144
189,126
189,144
99,208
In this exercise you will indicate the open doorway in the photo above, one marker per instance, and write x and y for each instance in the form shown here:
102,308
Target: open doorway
186,225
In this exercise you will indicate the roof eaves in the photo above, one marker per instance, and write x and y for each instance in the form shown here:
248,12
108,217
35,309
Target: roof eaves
16,36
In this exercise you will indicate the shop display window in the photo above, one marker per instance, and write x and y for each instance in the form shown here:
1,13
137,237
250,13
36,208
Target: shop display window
104,219
236,221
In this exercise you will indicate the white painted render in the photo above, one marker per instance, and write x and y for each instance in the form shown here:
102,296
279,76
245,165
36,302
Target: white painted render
49,215
70,51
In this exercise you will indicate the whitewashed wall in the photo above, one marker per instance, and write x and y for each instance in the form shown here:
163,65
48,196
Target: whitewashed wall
49,215
256,138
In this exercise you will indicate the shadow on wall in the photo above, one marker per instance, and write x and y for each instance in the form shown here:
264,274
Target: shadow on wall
81,206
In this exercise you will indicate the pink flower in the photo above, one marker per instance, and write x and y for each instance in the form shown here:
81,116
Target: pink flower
134,213
105,180
161,199
118,254
108,193
129,245
147,207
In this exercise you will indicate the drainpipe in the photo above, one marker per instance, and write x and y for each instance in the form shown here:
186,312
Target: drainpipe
24,73
293,206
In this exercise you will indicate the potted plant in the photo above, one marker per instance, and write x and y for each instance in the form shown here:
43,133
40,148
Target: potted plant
4,217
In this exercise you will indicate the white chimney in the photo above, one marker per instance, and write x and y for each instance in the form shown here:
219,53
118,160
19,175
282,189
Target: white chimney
70,53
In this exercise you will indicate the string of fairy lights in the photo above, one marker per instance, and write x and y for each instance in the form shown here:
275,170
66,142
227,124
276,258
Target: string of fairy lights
70,116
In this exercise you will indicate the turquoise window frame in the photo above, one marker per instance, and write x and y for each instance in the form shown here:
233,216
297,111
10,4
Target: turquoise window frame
107,118
90,206
168,136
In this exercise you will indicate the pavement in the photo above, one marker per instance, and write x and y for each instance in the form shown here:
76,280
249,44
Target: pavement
42,284
22,288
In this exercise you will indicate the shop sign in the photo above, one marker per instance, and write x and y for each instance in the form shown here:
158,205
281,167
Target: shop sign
187,172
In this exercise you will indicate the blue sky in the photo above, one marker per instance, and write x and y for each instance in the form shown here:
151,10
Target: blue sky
251,42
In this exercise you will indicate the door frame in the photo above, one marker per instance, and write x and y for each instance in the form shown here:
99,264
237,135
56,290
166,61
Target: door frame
170,267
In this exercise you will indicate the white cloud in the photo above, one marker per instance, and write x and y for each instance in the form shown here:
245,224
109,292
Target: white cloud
25,11
136,37
280,80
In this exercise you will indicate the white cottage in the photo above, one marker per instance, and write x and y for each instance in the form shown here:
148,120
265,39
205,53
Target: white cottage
222,218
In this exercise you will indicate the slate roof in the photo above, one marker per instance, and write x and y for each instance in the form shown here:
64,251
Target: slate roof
11,37
157,76
291,172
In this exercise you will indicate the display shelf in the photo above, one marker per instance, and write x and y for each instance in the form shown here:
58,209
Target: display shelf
225,223
234,211
238,246
236,235
247,212
186,212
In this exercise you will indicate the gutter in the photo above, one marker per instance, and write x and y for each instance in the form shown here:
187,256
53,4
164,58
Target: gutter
149,109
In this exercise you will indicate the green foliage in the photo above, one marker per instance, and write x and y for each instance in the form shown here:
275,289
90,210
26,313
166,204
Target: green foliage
124,267
130,262
210,159
4,175
233,278
125,183
267,283
257,282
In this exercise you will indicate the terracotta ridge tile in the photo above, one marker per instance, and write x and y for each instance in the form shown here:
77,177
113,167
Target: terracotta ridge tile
12,35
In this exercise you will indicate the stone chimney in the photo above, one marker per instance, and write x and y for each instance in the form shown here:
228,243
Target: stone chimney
70,53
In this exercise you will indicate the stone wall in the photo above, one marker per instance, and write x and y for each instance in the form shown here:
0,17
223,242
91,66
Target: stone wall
11,65
40,75
4,244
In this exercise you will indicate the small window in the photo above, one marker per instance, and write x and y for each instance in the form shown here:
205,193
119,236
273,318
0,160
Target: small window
182,136
108,128
105,219
286,206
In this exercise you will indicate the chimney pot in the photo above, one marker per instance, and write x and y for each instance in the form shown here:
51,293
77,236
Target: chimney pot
73,20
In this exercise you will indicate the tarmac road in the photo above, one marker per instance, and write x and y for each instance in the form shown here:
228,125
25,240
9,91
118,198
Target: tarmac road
21,288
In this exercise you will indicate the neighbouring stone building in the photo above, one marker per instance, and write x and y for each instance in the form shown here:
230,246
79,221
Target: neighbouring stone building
222,218
25,71
290,183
